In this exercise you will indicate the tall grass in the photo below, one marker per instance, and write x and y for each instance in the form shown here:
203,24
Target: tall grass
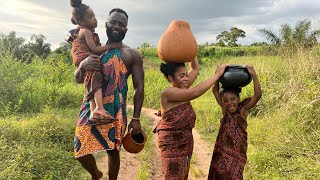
36,133
39,146
36,122
27,87
284,128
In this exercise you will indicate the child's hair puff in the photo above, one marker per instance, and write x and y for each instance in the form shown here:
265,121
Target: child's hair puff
78,11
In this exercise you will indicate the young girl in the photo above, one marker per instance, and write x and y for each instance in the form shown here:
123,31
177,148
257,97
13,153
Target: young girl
229,155
84,43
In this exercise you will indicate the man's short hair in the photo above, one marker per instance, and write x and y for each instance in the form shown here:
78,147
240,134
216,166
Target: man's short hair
120,11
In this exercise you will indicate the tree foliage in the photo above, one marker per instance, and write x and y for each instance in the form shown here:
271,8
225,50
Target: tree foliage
23,51
145,45
64,50
230,37
299,36
38,46
13,44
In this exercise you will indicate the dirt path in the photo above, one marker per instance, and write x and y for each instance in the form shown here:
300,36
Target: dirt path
156,173
129,162
201,153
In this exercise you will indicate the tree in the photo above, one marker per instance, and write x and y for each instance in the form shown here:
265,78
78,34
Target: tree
25,52
221,38
230,38
64,50
220,43
259,44
38,46
13,44
145,45
299,36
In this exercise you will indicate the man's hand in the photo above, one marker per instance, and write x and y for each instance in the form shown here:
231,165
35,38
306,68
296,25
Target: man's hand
135,126
91,63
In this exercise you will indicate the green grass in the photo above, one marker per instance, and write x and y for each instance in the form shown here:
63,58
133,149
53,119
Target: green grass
39,146
146,155
40,102
283,129
196,172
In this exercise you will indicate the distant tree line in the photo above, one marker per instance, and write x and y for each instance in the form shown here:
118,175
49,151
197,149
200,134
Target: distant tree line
289,39
21,50
292,38
25,51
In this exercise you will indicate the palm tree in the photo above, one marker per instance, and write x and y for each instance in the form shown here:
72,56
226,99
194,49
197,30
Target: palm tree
300,36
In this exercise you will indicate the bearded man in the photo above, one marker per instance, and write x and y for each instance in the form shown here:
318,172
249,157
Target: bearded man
116,66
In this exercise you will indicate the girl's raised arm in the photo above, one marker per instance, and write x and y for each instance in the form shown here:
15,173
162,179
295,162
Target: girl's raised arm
257,89
98,50
216,93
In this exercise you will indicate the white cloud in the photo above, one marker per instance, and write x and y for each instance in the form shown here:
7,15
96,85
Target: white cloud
149,18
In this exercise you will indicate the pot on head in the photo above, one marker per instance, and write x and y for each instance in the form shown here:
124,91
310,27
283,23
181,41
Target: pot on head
235,76
177,44
134,143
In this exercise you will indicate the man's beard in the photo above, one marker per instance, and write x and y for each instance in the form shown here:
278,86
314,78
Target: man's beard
115,38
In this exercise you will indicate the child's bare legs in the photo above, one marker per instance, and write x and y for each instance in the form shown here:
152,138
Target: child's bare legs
96,107
92,107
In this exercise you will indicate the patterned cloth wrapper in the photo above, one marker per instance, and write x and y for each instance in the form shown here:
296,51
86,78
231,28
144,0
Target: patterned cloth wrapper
175,140
229,155
176,168
79,51
91,139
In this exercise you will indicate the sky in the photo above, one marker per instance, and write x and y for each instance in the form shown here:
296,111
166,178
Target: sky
148,19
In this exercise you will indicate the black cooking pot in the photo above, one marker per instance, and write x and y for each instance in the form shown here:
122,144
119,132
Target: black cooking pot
235,76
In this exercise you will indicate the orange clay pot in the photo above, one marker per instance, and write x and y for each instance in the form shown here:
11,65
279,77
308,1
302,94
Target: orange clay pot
177,43
134,143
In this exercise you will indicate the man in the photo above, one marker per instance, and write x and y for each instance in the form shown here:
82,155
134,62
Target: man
118,64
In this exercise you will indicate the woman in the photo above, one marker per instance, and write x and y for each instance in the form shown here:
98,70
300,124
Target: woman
229,155
178,117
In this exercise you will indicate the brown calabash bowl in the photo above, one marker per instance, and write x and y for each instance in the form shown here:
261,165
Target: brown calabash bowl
134,143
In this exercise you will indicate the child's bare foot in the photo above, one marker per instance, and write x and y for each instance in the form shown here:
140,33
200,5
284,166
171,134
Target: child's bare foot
101,116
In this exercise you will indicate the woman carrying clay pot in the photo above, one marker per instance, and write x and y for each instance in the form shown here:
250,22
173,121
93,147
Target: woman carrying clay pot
174,130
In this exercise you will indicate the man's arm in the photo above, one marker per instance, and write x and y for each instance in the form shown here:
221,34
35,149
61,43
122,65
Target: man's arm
88,64
138,83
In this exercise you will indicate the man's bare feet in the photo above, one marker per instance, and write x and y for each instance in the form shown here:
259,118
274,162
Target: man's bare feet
98,176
